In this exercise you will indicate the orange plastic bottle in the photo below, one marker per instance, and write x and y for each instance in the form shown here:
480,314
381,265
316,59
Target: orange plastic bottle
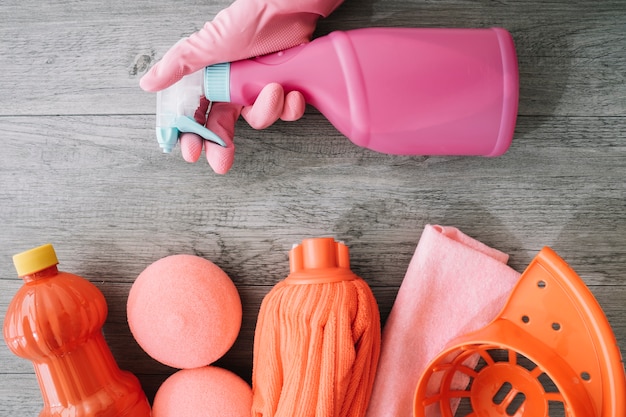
55,320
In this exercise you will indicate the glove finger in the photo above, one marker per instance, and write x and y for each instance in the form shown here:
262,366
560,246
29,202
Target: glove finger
191,146
221,121
185,57
246,28
267,107
190,143
294,106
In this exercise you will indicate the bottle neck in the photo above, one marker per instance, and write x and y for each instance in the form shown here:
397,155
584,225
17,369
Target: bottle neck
44,273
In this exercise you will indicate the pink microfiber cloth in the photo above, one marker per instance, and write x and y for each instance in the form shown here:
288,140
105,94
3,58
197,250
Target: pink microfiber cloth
453,285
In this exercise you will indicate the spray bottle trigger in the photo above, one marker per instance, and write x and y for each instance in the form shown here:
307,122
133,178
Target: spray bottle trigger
188,125
168,136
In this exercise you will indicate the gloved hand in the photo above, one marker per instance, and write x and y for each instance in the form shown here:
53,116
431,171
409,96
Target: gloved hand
245,29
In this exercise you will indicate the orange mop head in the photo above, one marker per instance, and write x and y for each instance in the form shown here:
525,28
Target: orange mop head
317,338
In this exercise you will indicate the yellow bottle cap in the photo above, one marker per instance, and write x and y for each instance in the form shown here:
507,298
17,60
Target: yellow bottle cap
35,260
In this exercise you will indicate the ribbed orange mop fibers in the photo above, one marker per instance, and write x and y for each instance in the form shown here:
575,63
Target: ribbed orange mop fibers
317,338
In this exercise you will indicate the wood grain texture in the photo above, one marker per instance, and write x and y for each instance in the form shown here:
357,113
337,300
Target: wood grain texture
80,167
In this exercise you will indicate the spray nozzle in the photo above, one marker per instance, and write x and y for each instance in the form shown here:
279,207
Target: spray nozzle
176,106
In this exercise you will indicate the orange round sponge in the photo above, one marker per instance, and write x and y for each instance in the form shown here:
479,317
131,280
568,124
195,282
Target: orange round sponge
207,391
184,311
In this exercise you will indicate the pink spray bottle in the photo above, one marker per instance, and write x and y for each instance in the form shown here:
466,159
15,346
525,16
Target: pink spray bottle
393,90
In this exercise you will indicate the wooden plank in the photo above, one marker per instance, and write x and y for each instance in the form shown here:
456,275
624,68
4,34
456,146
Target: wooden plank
108,195
20,391
570,61
131,357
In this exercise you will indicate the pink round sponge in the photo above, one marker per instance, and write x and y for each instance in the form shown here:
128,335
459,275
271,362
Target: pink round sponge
207,391
184,311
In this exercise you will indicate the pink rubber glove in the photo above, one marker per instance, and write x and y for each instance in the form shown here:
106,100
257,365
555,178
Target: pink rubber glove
245,29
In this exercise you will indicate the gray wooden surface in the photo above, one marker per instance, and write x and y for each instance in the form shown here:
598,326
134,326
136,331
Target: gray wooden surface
80,168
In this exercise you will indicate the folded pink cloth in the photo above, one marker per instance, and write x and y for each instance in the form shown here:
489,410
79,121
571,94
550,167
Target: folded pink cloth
454,284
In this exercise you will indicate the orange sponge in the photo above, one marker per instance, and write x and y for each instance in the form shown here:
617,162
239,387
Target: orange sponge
206,391
184,311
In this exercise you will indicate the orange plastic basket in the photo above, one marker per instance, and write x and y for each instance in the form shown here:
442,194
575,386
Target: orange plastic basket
550,352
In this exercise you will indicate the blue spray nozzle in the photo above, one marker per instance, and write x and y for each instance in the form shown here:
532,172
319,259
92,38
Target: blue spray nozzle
167,138
176,106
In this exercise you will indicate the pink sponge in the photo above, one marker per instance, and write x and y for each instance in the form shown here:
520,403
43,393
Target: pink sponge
207,391
184,311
